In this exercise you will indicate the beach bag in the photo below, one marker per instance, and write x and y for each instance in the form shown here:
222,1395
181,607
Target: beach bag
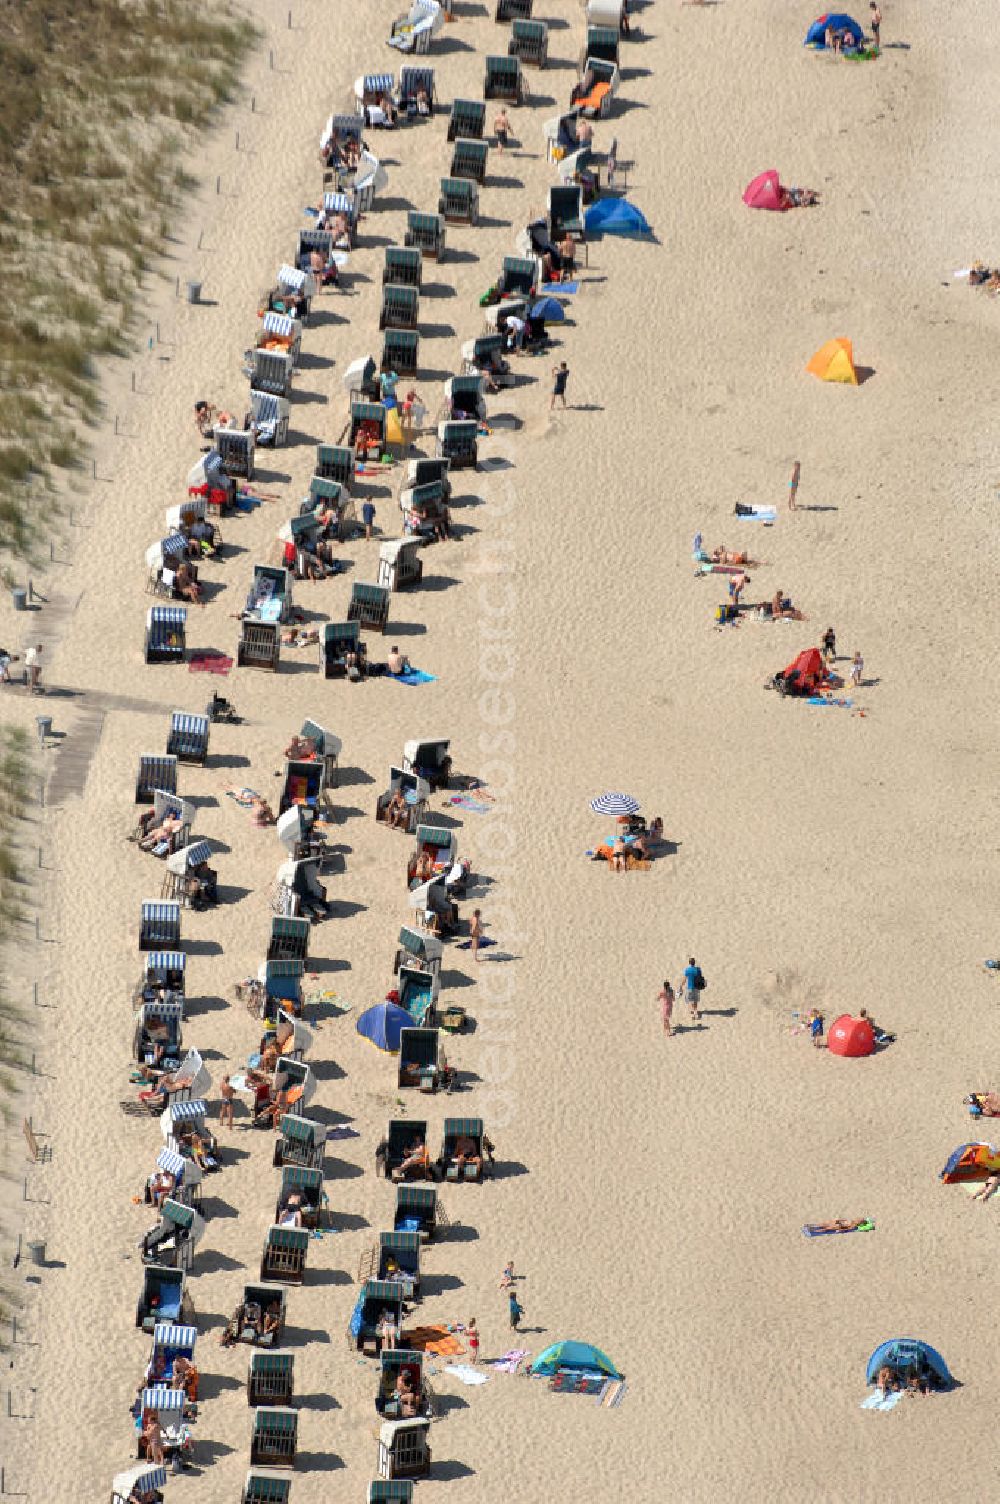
699,982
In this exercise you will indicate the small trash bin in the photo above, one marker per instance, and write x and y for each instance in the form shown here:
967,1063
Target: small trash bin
20,599
36,1251
194,292
44,724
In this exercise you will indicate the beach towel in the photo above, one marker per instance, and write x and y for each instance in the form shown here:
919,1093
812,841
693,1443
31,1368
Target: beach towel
432,1339
824,700
879,1401
466,1375
209,663
758,514
483,943
244,797
813,1230
414,676
474,806
511,1361
566,288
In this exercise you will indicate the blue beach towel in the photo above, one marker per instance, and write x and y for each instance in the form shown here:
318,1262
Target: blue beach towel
483,943
415,676
566,289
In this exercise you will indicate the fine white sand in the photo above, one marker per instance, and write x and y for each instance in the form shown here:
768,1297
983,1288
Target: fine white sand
652,1190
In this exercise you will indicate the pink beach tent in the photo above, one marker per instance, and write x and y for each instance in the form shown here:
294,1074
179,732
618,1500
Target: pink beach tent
764,192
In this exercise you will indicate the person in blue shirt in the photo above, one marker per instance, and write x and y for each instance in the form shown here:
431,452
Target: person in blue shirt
694,983
368,518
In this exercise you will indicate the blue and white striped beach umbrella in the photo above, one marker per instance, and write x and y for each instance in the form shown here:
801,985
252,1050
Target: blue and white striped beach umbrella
615,804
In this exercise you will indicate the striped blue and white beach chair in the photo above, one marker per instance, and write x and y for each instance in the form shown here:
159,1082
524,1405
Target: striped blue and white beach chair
166,628
369,92
188,737
159,925
187,1175
416,80
236,445
165,968
269,415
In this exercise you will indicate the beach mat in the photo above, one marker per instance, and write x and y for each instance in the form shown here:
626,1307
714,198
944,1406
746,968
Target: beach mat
765,514
209,663
466,1374
474,806
415,676
554,288
879,1401
822,700
432,1339
812,1230
511,1361
483,943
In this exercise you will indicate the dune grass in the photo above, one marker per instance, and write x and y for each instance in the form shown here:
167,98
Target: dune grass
100,100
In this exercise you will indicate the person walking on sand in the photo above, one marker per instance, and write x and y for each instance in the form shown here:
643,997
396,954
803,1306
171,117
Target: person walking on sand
501,129
876,23
33,664
228,1094
475,933
507,1277
857,669
829,645
516,1310
560,376
665,997
473,1336
793,486
694,984
368,518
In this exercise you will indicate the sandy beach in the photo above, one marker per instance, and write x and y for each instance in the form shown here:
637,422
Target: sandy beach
650,1191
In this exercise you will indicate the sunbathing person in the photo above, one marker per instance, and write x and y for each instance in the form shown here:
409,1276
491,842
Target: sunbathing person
165,1089
619,856
159,1187
466,1152
263,814
185,1376
290,1215
798,198
187,586
423,868
723,555
988,1188
397,662
301,749
409,1399
840,1225
988,1103
397,811
165,831
416,1157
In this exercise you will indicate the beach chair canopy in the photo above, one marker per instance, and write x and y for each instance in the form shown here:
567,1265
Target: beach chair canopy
428,947
906,1355
615,216
971,1162
764,192
180,862
575,1357
166,966
142,1481
383,1024
390,1491
832,21
835,362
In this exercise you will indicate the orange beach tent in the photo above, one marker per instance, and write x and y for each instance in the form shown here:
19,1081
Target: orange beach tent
835,362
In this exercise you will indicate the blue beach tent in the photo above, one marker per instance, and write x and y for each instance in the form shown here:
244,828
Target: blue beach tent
575,1357
382,1024
549,310
905,1354
615,216
816,35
